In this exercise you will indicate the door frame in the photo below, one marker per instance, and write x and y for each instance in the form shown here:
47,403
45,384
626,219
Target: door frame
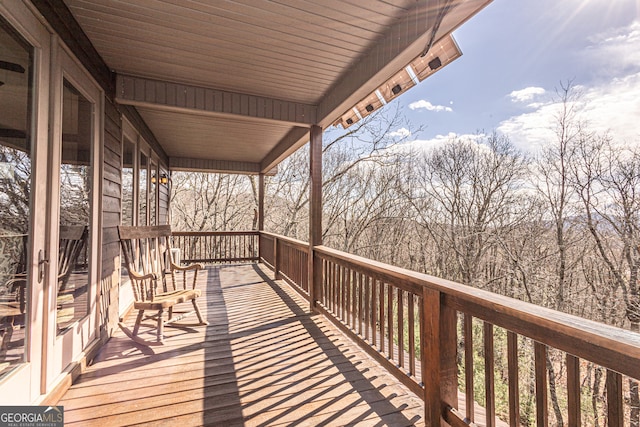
60,351
23,384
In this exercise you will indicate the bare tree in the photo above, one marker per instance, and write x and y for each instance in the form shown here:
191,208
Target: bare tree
463,193
607,179
211,202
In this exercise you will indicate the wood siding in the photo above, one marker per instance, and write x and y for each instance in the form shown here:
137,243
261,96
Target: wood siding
111,213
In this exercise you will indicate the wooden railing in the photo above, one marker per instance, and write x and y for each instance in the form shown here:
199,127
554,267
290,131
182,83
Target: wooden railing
288,258
421,329
216,247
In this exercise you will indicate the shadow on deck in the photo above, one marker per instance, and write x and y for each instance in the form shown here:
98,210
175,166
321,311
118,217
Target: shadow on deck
264,360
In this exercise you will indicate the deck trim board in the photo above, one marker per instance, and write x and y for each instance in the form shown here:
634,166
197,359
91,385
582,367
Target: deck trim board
263,360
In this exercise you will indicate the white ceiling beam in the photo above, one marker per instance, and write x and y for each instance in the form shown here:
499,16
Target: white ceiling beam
168,96
185,164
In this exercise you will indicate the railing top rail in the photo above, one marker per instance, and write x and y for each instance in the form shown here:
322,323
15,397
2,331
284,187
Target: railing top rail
216,233
609,346
304,246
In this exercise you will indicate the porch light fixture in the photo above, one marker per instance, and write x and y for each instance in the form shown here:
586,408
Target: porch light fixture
435,63
369,108
164,179
396,89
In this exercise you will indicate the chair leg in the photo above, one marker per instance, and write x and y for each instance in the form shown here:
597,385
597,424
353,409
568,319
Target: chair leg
138,321
160,326
6,337
197,309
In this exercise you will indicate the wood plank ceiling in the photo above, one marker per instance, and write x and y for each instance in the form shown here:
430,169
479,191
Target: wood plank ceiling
241,81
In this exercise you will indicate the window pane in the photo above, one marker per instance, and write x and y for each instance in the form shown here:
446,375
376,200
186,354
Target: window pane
75,207
143,195
153,191
16,85
128,158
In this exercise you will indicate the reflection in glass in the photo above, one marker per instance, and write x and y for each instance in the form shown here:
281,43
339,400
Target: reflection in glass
128,159
142,186
16,83
153,190
128,163
75,208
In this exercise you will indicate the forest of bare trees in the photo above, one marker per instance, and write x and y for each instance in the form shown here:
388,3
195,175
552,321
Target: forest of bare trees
559,228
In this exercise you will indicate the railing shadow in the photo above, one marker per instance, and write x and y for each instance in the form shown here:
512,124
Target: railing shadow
379,404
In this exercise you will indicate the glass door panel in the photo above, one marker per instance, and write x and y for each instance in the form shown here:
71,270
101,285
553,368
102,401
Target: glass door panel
16,87
76,188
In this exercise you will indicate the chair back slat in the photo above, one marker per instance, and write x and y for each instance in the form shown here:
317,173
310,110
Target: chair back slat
72,240
145,252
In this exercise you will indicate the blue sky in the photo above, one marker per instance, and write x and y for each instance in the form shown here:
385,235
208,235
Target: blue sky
516,53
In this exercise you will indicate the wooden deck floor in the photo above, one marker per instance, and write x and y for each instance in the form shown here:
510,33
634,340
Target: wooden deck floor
262,361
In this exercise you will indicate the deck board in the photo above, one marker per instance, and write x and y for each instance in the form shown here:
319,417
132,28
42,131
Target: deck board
264,360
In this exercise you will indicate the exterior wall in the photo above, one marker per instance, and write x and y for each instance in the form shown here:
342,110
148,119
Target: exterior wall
111,212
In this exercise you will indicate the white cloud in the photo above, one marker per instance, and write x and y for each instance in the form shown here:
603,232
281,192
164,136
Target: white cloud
426,105
615,50
426,145
526,94
400,133
609,105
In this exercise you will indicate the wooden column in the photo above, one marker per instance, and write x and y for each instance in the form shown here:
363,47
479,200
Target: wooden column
315,210
261,202
260,211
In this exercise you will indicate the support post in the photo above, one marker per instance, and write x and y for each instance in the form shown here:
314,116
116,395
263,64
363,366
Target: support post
260,212
315,210
438,357
261,202
430,356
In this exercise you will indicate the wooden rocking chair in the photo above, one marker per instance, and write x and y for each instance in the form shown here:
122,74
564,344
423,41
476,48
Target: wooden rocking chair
147,254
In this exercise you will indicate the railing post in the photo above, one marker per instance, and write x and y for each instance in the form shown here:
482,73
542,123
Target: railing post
276,259
315,287
315,208
438,357
430,356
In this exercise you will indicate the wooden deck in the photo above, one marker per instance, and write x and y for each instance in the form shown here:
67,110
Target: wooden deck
264,360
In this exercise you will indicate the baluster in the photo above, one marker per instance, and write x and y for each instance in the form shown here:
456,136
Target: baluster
374,299
468,367
615,409
542,410
573,390
346,284
489,384
382,307
512,367
354,299
390,330
401,327
367,313
412,335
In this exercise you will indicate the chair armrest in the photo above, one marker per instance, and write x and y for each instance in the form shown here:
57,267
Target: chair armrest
136,276
187,268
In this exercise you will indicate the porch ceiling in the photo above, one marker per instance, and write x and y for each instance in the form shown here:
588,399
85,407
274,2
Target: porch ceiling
243,80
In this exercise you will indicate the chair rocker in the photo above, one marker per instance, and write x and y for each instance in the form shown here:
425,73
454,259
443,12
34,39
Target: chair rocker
147,254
